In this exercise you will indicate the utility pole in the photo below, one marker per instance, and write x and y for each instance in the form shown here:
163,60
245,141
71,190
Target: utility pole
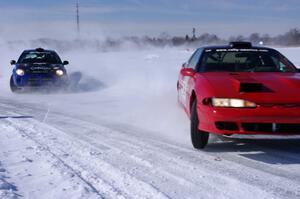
194,34
77,17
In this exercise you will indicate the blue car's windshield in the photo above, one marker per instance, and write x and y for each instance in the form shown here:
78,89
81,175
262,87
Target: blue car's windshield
245,60
39,57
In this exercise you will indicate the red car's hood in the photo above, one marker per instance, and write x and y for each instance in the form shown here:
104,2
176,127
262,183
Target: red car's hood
259,87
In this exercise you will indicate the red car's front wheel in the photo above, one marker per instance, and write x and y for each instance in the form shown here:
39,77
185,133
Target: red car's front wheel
199,138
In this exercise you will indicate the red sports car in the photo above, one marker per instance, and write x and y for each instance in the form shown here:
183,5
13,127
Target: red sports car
239,89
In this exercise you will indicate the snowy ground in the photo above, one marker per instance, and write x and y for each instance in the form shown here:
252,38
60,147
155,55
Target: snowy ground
121,134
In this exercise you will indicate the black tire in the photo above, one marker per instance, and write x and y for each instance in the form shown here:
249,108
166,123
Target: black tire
12,85
199,138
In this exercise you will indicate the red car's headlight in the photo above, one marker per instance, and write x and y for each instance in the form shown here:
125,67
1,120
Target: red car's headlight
232,103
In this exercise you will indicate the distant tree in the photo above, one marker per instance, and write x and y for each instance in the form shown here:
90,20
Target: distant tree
207,38
165,36
177,41
240,38
187,38
237,38
266,39
292,37
255,38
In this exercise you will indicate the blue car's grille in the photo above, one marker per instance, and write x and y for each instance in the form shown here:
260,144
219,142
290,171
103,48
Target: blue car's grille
39,70
39,81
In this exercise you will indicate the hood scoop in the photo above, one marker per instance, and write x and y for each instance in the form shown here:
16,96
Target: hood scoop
253,88
249,85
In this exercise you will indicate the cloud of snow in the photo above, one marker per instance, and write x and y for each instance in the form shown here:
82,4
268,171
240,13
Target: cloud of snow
130,86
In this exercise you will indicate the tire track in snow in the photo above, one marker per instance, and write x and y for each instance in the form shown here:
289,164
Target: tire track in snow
180,179
24,133
236,172
32,166
127,186
241,171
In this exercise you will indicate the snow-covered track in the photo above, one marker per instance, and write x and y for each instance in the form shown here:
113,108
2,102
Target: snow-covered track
115,161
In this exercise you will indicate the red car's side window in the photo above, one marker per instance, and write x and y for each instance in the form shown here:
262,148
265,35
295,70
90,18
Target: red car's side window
184,80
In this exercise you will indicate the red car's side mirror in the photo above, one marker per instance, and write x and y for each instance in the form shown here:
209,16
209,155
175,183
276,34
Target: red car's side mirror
188,72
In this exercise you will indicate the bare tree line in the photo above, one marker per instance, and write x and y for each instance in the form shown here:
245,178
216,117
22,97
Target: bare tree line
290,38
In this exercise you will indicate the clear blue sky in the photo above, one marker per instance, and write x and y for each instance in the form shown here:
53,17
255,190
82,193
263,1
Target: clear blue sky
155,16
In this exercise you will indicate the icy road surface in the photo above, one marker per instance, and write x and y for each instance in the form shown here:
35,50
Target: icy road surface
121,134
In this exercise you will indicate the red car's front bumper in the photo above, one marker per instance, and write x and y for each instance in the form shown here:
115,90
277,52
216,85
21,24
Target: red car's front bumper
261,120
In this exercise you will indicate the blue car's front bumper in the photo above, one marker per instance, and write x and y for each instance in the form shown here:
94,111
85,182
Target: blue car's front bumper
39,80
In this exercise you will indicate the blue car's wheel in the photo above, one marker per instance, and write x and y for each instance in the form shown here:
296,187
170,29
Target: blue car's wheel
12,85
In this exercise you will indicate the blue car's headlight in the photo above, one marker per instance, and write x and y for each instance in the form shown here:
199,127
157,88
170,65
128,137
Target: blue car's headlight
20,72
59,72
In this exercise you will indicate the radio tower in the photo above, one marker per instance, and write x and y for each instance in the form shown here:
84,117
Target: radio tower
194,34
77,17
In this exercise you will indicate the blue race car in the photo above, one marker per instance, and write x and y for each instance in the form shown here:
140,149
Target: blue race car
38,68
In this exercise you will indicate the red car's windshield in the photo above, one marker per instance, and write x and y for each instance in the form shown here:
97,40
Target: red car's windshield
245,60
